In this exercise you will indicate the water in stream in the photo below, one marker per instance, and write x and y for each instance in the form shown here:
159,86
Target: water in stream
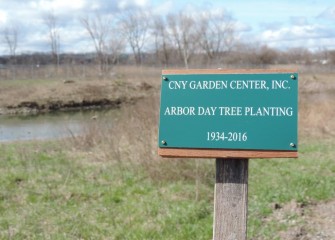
48,126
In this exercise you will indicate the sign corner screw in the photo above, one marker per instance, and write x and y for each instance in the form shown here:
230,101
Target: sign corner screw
292,144
292,76
165,78
163,142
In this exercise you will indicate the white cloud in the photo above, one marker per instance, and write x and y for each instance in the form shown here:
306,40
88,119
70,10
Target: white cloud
124,4
299,20
296,32
241,27
163,8
141,3
312,36
328,14
3,17
57,5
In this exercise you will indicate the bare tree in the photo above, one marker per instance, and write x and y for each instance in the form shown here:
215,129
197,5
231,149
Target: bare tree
332,56
116,46
216,33
183,34
162,39
134,24
99,29
10,37
51,22
299,55
267,55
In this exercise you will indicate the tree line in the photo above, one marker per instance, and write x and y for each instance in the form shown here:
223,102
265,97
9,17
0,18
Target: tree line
139,37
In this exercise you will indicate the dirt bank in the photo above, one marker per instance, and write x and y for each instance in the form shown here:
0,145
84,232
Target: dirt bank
27,107
19,97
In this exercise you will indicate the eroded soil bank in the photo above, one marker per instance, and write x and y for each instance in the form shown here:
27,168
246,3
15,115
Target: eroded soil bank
21,98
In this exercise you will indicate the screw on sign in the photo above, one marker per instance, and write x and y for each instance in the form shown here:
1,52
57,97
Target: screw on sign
229,115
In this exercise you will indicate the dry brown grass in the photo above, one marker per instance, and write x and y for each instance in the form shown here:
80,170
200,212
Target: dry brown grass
131,142
317,105
316,118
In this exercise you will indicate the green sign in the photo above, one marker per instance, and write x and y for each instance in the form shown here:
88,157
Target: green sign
246,111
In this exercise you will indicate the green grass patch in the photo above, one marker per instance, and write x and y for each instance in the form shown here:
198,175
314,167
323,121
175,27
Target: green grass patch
49,192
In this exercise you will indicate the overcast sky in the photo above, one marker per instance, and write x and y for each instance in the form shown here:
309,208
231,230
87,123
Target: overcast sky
281,24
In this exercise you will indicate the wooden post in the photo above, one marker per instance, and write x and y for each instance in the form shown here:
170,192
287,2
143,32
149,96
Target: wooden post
231,199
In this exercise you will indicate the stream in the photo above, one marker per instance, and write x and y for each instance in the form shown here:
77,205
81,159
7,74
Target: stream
50,125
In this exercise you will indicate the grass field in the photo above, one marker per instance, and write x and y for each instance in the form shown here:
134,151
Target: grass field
48,192
110,183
